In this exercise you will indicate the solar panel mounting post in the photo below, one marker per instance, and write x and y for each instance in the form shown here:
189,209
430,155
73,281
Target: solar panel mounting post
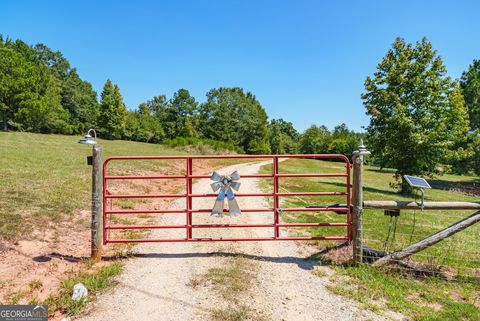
418,182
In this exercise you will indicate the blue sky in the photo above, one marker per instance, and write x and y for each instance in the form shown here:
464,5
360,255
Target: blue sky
305,61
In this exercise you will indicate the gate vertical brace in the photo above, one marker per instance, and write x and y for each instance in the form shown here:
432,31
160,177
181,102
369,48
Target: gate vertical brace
348,184
189,174
104,207
276,204
357,202
97,228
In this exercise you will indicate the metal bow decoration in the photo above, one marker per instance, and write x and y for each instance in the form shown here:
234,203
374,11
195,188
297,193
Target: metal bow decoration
225,186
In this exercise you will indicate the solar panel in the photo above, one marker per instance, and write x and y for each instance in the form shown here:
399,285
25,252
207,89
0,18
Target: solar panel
415,181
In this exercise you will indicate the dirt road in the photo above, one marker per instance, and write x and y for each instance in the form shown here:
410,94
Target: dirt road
158,284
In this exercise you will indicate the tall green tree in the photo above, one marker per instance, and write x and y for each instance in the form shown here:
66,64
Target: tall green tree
470,84
344,141
112,113
180,116
315,140
141,125
29,95
77,95
18,80
416,116
157,106
283,137
57,98
233,116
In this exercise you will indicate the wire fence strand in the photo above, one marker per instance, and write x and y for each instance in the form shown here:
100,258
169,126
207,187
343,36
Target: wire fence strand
457,255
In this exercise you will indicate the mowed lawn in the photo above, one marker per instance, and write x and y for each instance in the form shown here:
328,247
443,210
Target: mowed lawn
452,294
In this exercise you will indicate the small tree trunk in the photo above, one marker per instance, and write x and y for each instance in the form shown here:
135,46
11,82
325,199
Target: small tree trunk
405,188
5,123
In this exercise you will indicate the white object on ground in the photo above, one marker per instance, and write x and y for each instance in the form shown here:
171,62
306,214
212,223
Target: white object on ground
79,292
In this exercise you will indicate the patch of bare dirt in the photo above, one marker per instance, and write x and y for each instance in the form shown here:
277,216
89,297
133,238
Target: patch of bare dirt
467,188
416,299
457,296
339,254
33,268
44,259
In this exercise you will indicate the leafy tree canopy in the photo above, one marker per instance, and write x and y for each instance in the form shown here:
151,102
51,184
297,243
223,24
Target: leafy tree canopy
315,140
283,137
417,114
470,84
233,116
179,116
112,112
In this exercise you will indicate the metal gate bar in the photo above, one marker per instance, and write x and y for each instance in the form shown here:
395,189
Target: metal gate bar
189,195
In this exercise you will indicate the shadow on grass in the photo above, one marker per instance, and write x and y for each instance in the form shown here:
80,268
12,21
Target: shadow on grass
465,187
371,189
383,171
308,263
468,187
337,255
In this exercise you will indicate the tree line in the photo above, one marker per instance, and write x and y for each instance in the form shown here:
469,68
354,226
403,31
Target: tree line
421,121
41,92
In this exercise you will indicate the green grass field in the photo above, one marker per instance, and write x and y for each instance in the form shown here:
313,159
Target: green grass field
45,178
425,298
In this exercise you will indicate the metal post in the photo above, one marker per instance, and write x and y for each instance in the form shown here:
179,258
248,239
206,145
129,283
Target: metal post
357,202
97,219
189,197
276,203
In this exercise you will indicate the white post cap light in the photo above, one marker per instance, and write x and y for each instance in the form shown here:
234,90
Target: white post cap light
88,138
362,150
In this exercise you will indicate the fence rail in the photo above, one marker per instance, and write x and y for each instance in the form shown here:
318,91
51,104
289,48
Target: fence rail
406,205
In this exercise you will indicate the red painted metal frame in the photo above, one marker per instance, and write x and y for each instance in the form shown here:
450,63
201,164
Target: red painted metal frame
189,210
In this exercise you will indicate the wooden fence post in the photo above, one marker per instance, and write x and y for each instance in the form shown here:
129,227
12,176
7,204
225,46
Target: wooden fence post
357,202
97,216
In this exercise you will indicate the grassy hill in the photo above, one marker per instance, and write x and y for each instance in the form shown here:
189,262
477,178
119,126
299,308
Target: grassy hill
44,178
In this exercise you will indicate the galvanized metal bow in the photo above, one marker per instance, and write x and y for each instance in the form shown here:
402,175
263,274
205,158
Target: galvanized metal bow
225,184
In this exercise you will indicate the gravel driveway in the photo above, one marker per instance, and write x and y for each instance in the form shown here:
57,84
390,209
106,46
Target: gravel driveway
157,284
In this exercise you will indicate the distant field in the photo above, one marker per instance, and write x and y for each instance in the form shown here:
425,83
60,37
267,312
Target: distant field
433,298
45,178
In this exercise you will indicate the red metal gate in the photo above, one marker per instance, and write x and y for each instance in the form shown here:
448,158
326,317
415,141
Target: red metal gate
188,211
